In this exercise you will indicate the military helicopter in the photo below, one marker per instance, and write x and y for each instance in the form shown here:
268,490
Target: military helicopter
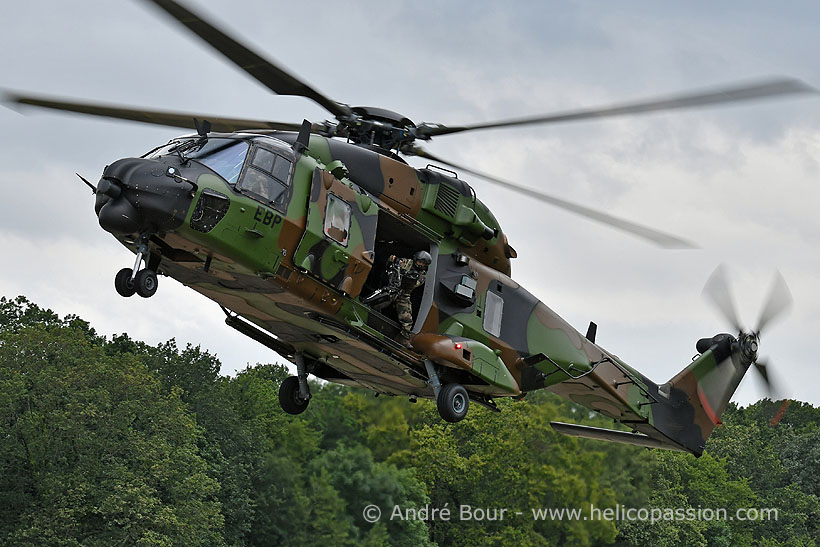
289,227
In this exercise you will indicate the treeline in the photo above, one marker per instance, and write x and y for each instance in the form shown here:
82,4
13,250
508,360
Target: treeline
111,441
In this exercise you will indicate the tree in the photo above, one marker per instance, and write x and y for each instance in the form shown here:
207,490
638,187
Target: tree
361,482
117,441
94,450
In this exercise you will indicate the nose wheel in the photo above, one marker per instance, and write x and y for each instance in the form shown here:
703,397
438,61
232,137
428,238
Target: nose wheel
130,281
144,284
124,284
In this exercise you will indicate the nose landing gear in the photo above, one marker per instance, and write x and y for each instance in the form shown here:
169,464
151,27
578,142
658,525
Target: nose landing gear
129,281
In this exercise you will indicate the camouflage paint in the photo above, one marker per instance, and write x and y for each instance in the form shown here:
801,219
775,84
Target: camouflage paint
277,267
343,261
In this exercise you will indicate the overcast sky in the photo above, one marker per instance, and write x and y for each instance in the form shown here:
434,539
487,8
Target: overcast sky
741,181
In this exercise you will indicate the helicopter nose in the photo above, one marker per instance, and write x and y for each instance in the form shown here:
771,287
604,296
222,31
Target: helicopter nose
138,196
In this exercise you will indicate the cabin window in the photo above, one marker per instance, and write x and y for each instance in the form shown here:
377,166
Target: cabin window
493,311
267,176
337,219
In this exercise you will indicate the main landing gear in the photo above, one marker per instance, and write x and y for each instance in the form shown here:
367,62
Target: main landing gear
294,392
452,400
129,281
452,403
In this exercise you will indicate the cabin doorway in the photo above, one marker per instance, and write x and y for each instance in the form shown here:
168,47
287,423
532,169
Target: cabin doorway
395,237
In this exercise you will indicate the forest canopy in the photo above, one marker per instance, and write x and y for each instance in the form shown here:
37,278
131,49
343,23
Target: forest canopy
109,440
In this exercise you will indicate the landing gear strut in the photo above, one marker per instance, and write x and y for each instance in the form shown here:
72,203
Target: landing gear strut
129,281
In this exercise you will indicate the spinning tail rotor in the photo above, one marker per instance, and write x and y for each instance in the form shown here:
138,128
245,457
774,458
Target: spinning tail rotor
747,344
699,394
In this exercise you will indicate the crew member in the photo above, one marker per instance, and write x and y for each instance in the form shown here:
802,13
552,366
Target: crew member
408,274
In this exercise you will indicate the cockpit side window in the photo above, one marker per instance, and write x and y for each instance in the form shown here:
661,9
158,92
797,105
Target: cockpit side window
281,169
263,159
267,175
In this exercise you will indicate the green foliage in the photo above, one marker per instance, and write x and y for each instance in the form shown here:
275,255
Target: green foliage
361,481
95,451
114,441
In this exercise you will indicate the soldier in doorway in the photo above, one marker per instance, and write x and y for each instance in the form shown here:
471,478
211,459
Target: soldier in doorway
406,275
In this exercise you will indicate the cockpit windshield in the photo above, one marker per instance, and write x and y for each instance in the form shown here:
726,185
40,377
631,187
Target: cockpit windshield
224,156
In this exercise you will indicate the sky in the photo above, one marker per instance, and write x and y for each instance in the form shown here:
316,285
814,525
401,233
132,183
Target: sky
741,181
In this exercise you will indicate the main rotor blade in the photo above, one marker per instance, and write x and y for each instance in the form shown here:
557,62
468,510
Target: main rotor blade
729,94
718,293
779,300
654,236
266,72
157,117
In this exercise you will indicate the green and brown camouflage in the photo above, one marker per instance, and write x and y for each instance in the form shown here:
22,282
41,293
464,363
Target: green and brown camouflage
297,270
338,243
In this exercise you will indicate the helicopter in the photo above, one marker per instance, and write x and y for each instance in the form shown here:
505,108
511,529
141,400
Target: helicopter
289,228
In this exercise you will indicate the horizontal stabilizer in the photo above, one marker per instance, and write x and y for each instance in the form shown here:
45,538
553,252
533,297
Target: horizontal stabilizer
612,435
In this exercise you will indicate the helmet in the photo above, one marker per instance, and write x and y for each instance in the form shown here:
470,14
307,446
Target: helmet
423,256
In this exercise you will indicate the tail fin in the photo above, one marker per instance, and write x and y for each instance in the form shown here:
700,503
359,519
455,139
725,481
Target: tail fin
708,383
685,410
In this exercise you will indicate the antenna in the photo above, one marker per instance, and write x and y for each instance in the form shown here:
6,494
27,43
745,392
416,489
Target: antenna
202,128
303,139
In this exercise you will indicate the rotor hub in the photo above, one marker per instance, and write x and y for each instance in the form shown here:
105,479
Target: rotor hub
372,126
749,345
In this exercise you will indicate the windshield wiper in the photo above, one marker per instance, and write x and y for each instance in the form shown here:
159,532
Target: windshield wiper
188,146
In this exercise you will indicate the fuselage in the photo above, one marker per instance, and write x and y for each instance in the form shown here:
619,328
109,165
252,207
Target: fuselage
291,242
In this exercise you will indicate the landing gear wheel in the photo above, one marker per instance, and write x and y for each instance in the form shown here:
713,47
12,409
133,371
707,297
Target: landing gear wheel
289,398
146,283
453,402
122,282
